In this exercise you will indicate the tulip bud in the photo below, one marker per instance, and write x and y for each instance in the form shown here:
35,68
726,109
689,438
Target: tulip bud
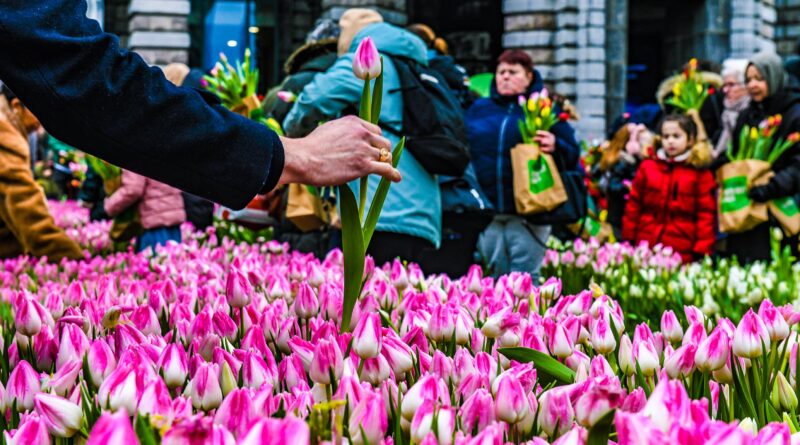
367,338
783,394
238,290
511,405
681,363
751,337
671,327
306,304
555,411
776,325
204,388
236,412
22,386
101,361
369,421
367,61
287,96
26,318
602,337
646,357
61,417
327,361
32,430
595,403
625,358
712,354
289,430
477,411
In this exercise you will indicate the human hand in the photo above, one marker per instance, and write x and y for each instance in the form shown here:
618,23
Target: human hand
546,141
337,152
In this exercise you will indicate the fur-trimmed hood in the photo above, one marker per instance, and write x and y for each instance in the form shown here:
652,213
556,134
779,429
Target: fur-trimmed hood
666,86
308,53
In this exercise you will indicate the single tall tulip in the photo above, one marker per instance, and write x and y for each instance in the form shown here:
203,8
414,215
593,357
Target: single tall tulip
238,290
367,61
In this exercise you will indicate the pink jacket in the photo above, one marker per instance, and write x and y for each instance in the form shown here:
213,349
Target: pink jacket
160,205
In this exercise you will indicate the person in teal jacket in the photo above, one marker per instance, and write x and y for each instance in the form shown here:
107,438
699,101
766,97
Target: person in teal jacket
411,218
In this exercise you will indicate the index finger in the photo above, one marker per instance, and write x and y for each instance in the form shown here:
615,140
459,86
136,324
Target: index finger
372,128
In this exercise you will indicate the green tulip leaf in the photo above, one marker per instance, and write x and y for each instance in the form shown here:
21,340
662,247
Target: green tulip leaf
542,362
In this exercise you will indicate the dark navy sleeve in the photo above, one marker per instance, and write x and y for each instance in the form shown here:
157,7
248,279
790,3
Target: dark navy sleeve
94,95
566,145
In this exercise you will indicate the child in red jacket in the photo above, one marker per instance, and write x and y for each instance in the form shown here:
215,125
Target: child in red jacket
672,197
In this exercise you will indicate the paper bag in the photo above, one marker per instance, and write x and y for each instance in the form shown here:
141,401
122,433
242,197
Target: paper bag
305,209
786,211
737,213
537,184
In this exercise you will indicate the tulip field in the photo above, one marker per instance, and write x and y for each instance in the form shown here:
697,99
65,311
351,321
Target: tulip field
217,342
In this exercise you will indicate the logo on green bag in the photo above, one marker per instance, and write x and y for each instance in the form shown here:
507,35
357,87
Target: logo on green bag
593,226
787,206
540,176
734,194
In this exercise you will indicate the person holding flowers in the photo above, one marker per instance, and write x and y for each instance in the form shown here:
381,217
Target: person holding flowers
510,243
411,219
672,196
767,87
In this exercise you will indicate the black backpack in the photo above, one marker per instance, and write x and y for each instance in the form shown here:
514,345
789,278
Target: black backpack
432,121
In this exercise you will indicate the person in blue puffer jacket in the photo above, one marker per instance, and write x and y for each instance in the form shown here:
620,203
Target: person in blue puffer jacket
510,243
411,218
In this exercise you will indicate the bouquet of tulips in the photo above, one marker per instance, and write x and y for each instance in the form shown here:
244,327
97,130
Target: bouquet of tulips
759,143
237,89
751,166
539,115
689,93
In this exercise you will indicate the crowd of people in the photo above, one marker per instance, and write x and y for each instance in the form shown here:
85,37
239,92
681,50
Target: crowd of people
655,178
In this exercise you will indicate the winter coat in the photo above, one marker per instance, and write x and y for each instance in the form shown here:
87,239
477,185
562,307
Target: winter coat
413,206
301,67
454,74
754,245
91,93
493,131
160,205
672,203
26,226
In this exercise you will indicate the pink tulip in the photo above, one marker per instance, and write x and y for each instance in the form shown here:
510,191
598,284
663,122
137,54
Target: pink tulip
327,362
75,294
669,402
237,412
101,361
499,322
559,342
306,304
369,421
442,324
22,386
427,388
375,370
646,357
398,276
602,337
27,317
72,346
204,387
156,401
635,401
477,411
113,428
32,430
636,429
197,430
64,380
238,290
173,365
367,338
773,434
681,363
61,417
119,390
511,405
256,372
695,334
731,434
367,61
550,290
751,337
556,413
776,325
671,327
595,403
712,354
287,96
289,430
474,279
45,347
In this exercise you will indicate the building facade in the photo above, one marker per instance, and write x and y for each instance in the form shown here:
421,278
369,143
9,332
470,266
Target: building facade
603,54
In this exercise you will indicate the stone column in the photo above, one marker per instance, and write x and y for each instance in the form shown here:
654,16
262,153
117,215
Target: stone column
393,11
566,40
752,27
616,57
159,30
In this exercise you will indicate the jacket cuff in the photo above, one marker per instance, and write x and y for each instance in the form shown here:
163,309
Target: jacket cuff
275,167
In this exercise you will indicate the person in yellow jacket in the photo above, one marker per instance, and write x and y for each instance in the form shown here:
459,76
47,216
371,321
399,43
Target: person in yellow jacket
26,226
